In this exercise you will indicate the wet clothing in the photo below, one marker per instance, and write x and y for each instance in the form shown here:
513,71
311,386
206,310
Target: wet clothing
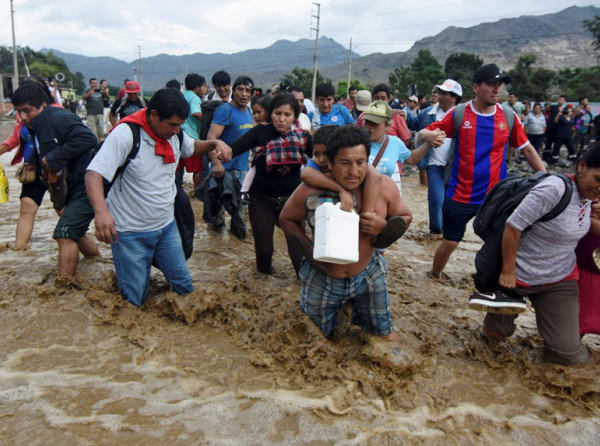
142,203
76,218
137,251
557,319
34,191
546,271
264,215
322,298
589,284
455,216
269,191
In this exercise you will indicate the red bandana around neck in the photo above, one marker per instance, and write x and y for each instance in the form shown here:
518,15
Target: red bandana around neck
162,146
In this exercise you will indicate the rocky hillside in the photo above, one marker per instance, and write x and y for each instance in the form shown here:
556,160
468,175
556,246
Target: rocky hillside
265,66
558,40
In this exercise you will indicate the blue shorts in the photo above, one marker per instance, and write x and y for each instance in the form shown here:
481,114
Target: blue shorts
455,218
322,298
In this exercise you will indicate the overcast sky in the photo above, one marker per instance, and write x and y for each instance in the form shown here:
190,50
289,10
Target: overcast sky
116,27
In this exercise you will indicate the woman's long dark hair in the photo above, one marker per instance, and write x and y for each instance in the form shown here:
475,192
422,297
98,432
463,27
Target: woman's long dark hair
591,155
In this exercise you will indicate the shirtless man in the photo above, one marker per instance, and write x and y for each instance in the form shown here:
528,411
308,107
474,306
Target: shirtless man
326,286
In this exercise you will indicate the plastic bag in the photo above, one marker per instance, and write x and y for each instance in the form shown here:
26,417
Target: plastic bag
3,186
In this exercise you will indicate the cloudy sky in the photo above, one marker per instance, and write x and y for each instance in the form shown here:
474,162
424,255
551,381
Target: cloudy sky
116,27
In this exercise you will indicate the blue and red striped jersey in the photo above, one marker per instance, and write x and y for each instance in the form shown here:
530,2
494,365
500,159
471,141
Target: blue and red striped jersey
479,162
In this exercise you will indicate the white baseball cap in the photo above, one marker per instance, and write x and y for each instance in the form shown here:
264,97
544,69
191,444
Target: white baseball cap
450,86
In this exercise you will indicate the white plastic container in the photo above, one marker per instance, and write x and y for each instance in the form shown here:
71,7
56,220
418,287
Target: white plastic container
336,234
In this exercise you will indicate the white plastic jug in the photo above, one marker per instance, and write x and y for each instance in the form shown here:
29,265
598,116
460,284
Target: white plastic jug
336,234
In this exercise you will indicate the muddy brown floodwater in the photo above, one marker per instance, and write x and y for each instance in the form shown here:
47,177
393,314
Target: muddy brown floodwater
236,362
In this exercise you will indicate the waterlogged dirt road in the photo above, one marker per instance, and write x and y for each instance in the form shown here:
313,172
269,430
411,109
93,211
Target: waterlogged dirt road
236,363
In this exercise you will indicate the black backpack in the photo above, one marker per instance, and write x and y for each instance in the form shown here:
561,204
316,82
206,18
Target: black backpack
184,213
208,112
491,218
135,131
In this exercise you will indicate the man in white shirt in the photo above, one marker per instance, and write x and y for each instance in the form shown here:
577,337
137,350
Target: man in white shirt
137,216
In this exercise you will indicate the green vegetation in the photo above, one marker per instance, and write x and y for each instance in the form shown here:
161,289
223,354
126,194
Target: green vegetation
40,64
342,87
425,71
529,82
302,78
460,67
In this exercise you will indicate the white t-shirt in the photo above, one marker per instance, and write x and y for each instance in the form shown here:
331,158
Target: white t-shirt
142,198
439,156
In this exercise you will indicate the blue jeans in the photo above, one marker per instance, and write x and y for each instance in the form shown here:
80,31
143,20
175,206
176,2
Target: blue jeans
435,195
133,256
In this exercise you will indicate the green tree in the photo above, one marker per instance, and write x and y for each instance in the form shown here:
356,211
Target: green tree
399,80
302,78
39,64
593,26
529,82
426,71
460,67
580,82
342,87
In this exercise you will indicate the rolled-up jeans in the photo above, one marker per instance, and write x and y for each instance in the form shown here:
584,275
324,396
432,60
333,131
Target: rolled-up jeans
134,254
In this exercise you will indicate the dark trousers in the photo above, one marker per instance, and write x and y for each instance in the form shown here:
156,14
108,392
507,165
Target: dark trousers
536,141
264,215
557,319
550,138
559,142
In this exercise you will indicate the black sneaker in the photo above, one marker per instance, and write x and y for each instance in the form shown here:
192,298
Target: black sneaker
498,302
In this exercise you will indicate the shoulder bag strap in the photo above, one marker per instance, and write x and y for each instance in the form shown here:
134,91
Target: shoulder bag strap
381,151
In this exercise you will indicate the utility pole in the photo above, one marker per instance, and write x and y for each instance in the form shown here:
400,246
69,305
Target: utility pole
349,70
314,82
15,66
139,53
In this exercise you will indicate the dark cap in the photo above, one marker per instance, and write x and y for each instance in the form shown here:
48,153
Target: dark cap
243,80
490,73
285,84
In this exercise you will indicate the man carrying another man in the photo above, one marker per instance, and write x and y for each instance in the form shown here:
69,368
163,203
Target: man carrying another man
137,216
363,283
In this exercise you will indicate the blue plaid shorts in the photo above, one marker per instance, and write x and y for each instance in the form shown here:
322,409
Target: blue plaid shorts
322,297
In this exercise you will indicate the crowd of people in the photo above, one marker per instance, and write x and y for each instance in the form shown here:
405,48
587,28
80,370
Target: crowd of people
277,157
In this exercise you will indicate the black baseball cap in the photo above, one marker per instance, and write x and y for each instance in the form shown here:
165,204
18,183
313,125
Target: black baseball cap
490,73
